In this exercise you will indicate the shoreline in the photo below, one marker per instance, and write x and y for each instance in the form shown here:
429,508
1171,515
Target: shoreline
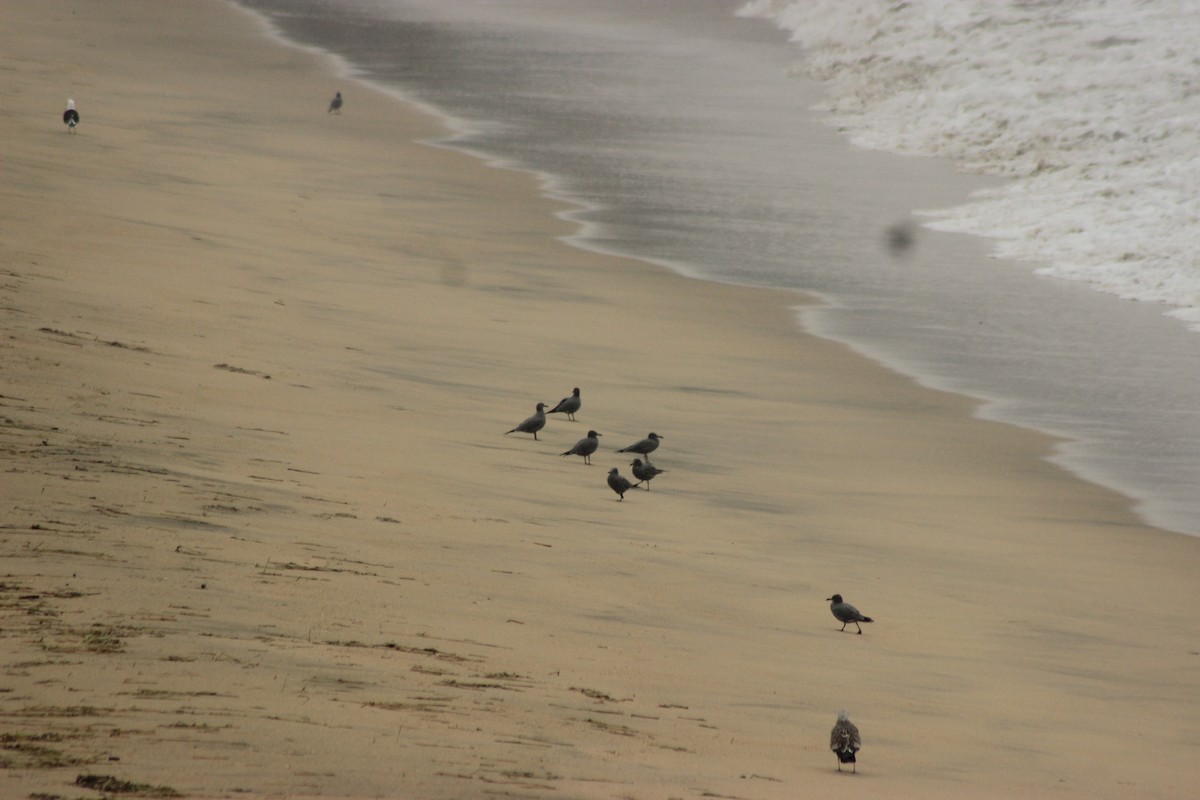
265,535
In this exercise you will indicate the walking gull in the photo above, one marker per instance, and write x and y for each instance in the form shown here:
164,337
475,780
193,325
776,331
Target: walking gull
845,741
644,472
335,105
846,613
568,405
585,447
645,447
70,116
532,424
619,483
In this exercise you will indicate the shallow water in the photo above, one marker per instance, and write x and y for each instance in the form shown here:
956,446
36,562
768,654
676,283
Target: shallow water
686,138
1092,107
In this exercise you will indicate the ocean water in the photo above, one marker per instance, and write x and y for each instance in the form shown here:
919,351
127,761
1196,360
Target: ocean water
1091,106
756,143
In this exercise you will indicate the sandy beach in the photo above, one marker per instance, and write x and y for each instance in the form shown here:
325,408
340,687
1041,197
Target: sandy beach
263,534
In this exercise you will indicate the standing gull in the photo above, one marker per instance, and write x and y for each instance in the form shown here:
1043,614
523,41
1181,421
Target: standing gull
846,613
845,741
645,447
568,405
532,424
70,116
644,472
619,483
585,447
335,105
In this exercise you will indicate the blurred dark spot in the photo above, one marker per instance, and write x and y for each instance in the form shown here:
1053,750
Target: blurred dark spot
900,238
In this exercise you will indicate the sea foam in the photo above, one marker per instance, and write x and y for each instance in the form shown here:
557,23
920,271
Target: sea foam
1090,107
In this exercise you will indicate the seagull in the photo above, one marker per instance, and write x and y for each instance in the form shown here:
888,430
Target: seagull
335,105
585,447
70,116
644,472
532,424
845,741
846,613
619,483
645,447
568,405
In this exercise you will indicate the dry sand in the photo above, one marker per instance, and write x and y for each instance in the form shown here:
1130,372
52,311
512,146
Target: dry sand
263,534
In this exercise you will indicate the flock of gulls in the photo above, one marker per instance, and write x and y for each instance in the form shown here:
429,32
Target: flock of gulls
644,471
844,739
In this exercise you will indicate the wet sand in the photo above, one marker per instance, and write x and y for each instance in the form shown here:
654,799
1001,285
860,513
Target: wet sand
263,533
